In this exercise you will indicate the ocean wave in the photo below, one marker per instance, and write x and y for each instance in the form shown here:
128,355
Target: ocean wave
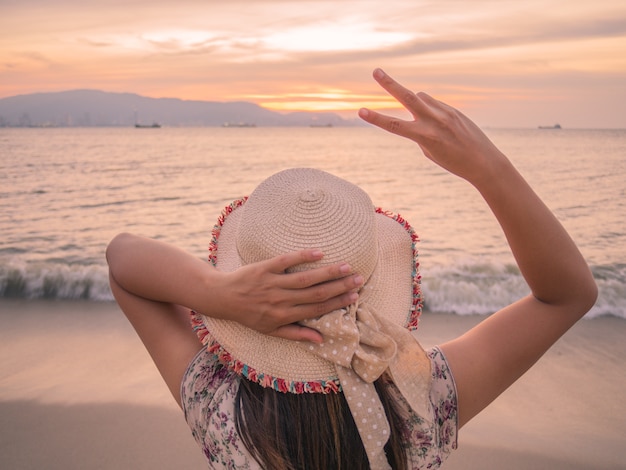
472,288
54,281
611,280
476,288
468,288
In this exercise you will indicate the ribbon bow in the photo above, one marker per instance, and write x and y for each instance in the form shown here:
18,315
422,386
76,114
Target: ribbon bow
363,345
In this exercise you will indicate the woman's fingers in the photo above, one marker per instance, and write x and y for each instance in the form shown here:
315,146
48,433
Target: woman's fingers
405,96
325,281
277,299
418,104
280,264
321,299
389,123
424,109
295,332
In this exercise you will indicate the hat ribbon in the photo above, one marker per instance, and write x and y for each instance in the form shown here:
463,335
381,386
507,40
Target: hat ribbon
363,345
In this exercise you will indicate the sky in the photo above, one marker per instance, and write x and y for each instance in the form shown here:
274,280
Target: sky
505,64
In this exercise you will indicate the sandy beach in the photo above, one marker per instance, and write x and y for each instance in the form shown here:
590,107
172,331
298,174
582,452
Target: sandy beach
77,390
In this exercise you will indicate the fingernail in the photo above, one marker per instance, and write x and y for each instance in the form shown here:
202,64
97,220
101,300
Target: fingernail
364,113
317,253
353,297
358,280
378,73
345,268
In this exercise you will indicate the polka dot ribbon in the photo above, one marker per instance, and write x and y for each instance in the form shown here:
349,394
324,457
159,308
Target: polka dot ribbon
363,345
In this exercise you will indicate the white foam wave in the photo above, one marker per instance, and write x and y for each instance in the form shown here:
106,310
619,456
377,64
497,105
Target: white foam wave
470,288
465,288
54,281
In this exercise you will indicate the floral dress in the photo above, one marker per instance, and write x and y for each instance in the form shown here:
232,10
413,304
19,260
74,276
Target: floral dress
208,392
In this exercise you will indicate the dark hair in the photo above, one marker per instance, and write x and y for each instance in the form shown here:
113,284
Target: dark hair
309,431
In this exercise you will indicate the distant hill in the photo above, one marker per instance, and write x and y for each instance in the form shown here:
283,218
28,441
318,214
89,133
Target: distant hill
81,108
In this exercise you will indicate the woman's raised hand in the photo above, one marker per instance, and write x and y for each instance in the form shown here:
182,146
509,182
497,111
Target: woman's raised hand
496,352
445,135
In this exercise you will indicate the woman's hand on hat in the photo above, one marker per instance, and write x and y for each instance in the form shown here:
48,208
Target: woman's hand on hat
445,135
263,297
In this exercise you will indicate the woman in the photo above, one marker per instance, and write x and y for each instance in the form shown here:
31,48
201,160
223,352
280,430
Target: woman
248,406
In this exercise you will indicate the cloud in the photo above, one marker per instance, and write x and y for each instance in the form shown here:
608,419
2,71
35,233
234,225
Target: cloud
96,43
299,51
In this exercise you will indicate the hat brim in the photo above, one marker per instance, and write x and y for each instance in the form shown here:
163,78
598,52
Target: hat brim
393,290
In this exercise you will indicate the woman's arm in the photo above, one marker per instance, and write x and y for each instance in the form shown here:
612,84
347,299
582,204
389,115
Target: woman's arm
155,284
260,296
491,356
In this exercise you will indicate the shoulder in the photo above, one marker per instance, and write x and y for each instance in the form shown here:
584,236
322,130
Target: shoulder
204,378
430,441
208,395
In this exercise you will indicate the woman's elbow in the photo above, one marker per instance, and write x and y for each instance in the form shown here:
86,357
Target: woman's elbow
586,293
116,247
590,293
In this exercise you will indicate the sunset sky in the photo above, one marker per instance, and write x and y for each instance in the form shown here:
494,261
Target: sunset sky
505,64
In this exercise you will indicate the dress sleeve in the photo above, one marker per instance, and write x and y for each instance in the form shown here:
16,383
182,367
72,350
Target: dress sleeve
429,445
208,393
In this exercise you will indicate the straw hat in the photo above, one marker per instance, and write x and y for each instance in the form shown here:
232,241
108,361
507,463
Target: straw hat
306,208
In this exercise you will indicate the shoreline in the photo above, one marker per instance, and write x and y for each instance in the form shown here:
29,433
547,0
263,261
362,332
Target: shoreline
77,386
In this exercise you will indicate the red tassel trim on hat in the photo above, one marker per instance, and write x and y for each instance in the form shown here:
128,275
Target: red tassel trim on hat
416,306
215,233
265,380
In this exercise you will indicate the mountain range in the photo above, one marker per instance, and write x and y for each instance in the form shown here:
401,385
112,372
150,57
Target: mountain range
86,108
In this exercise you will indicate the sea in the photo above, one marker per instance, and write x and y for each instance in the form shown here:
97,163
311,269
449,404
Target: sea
66,192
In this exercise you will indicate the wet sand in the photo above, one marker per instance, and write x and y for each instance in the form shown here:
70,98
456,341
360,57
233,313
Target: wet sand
77,390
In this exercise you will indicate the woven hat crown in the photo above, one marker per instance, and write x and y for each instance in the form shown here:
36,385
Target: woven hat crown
305,208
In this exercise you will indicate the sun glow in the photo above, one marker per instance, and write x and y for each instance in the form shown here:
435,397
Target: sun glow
317,106
324,100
